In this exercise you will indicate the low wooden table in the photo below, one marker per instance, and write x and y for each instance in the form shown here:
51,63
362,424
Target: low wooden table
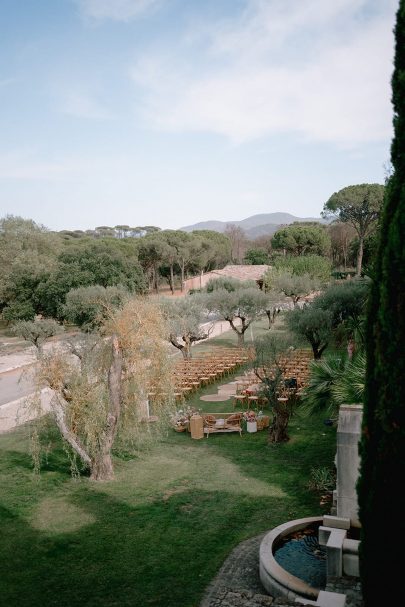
221,424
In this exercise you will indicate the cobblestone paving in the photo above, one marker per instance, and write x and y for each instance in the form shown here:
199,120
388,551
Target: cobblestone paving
350,586
238,584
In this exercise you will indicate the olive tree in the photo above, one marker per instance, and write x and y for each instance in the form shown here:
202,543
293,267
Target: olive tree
293,286
229,284
272,353
186,319
37,331
240,308
314,324
99,394
274,304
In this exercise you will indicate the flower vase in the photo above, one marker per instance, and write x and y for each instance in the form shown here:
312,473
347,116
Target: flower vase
251,426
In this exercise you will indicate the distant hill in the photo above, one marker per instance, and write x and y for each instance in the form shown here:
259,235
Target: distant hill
267,229
265,224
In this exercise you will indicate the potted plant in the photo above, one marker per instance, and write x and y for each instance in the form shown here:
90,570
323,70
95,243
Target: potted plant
251,421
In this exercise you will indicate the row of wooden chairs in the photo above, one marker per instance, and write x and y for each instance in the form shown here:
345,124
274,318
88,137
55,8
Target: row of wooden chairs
295,373
193,374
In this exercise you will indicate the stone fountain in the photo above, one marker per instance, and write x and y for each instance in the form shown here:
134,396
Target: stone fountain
335,532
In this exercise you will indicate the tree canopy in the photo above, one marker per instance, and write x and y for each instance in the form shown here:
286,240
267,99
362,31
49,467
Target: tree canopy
154,251
272,353
28,253
302,239
40,268
89,307
314,266
293,286
360,206
37,331
257,257
187,321
240,308
103,262
314,324
229,284
346,302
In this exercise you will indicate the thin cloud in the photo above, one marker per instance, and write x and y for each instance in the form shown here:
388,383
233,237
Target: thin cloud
83,105
25,165
117,10
280,67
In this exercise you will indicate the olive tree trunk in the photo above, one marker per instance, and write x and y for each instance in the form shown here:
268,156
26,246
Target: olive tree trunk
278,427
102,466
100,463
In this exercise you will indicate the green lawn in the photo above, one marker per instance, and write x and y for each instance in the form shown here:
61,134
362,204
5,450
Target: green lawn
159,533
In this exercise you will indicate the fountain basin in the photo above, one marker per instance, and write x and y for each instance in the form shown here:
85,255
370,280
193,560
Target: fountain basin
275,579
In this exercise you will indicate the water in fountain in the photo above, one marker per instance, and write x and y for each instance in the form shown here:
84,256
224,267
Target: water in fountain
301,555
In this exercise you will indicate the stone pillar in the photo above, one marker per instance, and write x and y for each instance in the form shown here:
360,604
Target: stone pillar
348,461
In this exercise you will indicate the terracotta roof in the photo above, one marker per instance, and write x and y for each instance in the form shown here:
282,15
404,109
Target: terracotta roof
242,272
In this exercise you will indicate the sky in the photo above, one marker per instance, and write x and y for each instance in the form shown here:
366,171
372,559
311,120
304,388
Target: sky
171,112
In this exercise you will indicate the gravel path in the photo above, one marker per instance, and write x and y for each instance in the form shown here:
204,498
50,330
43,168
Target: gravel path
237,583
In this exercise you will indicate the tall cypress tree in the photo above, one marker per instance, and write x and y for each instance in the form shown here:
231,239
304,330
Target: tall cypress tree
382,475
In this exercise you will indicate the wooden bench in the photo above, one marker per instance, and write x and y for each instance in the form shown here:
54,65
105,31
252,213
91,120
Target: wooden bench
222,422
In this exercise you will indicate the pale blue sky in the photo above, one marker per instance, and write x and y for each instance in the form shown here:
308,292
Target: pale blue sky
169,112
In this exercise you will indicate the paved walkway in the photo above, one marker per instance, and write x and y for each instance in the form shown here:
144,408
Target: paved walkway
10,362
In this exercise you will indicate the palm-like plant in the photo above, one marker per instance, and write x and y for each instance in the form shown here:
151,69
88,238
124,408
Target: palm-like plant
349,387
334,382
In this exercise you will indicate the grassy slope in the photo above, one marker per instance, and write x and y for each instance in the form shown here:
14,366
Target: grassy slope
159,533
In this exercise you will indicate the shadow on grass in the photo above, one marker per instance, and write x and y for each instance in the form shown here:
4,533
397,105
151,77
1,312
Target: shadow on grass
162,553
154,548
17,459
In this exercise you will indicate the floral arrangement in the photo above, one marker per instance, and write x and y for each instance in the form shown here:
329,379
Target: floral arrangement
250,416
181,418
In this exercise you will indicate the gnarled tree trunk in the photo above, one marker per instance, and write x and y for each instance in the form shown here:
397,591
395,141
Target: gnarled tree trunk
100,463
279,425
240,333
102,466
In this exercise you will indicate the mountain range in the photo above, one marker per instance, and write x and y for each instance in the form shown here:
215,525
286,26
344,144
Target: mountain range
265,224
